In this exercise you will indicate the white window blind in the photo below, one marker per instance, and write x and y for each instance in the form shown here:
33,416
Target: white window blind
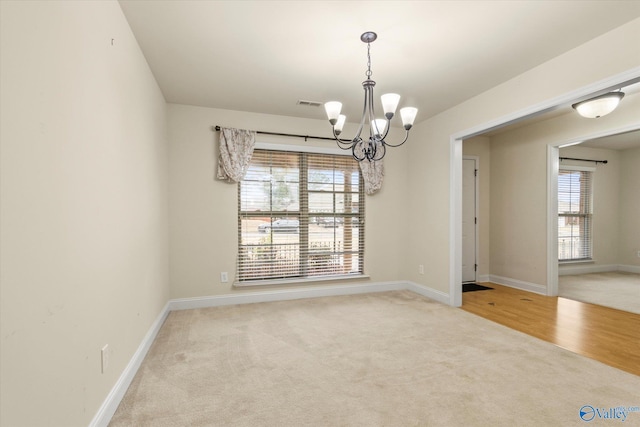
300,215
575,211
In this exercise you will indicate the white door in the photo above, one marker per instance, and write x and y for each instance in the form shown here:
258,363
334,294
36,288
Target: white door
468,220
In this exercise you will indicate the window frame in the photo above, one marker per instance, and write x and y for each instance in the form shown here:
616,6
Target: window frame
304,215
585,217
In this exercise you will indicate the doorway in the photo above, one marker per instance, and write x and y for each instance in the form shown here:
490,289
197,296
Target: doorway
455,167
469,218
611,279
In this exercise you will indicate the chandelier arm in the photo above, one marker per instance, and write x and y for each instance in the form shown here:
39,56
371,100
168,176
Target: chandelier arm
342,141
355,156
372,149
350,144
372,113
384,152
406,137
342,147
364,111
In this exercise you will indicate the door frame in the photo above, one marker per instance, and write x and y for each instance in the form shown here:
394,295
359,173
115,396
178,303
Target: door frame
476,249
455,169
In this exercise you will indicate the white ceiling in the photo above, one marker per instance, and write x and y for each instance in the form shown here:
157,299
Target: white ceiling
621,141
264,56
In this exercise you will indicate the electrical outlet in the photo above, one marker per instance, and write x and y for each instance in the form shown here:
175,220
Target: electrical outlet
638,254
421,269
105,356
224,277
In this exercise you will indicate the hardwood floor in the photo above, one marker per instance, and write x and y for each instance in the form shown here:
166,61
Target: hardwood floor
601,333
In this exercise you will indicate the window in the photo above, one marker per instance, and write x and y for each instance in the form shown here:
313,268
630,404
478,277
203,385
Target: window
300,215
575,201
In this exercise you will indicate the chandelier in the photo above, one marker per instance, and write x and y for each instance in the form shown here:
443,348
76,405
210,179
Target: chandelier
375,147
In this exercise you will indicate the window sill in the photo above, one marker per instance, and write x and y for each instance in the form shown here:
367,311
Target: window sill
577,261
299,280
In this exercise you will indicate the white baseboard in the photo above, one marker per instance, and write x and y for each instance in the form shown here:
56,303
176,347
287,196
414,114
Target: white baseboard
629,268
518,284
283,295
428,292
484,278
110,404
292,294
586,269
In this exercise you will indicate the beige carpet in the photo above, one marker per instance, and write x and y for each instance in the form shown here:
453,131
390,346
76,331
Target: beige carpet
386,359
615,289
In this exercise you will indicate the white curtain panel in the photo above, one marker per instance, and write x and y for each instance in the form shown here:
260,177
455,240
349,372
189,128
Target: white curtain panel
236,149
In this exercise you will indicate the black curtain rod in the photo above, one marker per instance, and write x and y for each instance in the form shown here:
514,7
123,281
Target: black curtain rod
585,160
217,129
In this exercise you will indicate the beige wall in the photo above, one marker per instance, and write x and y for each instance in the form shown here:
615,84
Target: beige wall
629,208
203,211
84,217
519,206
430,151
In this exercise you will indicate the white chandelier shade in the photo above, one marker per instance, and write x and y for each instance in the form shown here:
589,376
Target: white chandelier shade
373,148
390,103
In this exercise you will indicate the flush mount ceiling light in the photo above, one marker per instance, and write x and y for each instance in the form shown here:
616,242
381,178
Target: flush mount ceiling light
599,106
375,147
